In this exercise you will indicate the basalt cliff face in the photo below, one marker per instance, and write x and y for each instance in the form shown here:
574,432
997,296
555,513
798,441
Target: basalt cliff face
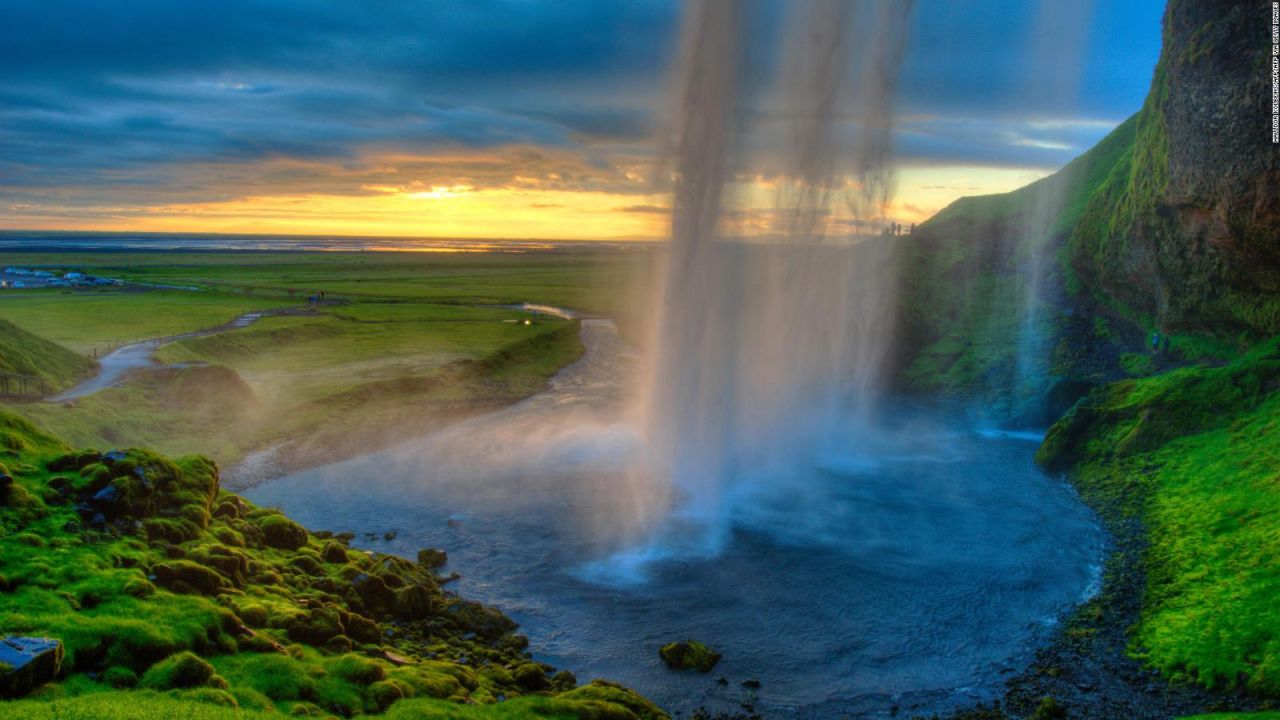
1185,234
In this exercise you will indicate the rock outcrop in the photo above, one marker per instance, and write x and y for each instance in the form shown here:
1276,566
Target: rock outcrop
26,663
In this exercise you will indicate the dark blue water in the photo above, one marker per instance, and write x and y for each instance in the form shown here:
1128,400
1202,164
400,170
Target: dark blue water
919,569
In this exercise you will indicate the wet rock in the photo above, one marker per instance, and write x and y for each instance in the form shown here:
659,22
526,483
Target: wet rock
389,535
432,559
752,684
27,663
114,456
689,655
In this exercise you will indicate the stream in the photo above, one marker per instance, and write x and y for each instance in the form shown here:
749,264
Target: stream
113,366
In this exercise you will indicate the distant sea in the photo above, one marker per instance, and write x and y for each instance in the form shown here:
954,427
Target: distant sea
158,242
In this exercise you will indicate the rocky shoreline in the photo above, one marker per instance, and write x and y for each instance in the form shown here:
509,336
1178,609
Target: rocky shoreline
1086,672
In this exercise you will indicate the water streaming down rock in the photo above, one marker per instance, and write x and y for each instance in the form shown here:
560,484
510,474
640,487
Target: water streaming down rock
1053,82
760,345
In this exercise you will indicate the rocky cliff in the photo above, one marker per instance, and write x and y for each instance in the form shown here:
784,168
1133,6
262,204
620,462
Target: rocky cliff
1168,225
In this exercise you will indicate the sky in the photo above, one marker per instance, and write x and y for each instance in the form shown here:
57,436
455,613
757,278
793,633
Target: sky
492,118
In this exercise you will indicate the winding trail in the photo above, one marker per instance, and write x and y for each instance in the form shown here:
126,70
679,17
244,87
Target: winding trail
113,366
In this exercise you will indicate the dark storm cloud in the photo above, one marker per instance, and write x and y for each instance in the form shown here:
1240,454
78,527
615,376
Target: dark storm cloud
119,94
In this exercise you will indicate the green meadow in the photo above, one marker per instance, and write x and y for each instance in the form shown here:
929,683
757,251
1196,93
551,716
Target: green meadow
401,343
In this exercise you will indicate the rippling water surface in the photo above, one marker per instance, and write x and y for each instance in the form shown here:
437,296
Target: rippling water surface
921,569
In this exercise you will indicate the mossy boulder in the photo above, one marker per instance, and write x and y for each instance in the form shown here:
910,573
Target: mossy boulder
280,532
334,553
613,694
184,670
689,655
184,576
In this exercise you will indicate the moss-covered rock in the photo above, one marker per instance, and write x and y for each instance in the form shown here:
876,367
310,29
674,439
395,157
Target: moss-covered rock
689,655
279,531
238,606
184,576
184,670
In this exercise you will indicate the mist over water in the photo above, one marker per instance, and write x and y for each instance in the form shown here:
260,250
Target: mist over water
768,350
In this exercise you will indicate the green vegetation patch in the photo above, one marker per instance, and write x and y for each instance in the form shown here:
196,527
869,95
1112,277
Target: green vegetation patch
174,598
24,353
89,322
1195,454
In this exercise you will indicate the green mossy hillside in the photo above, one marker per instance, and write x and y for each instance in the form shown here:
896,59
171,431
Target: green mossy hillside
174,598
1167,225
966,280
23,353
1194,454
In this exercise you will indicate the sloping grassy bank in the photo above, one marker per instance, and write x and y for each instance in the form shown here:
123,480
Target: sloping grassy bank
24,353
1194,454
351,379
175,598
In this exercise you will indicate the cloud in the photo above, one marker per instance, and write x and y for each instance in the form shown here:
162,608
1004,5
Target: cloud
118,104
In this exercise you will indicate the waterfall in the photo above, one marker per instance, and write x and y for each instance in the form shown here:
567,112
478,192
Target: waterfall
1053,83
767,348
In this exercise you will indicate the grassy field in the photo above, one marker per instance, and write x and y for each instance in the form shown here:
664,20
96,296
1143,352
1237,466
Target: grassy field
583,278
298,359
99,320
403,342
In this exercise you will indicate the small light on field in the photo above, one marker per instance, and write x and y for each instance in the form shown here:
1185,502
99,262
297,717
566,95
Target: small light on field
527,321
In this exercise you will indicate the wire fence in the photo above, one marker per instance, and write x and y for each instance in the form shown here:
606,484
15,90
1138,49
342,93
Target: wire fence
13,385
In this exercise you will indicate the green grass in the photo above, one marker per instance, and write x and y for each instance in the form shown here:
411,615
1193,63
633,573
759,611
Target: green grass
147,705
586,278
294,360
351,379
1195,454
378,356
97,321
965,280
1268,715
191,601
24,353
